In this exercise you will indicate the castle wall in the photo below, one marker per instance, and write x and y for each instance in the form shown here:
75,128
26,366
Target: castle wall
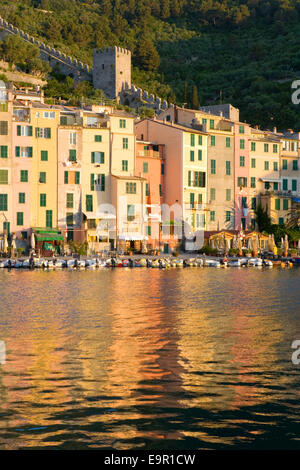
112,70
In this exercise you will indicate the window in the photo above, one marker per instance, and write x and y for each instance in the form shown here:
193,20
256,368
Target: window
73,138
131,188
149,230
49,115
253,182
3,127
66,177
168,118
100,182
212,216
49,219
253,146
253,163
25,131
122,123
285,204
213,167
70,201
89,203
242,161
242,182
294,185
267,185
204,120
160,190
125,143
6,227
242,144
3,107
199,199
243,222
44,155
281,221
77,177
69,219
43,132
145,167
266,147
72,155
192,200
211,124
212,140
42,177
284,165
24,235
275,186
97,157
228,142
192,140
199,179
20,218
228,168
192,155
147,189
277,204
295,165
98,138
227,216
266,166
244,202
275,166
242,129
92,181
275,148
162,169
24,152
24,176
3,151
124,165
212,194
3,202
285,184
199,139
21,198
228,194
3,176
130,212
253,203
200,155
43,200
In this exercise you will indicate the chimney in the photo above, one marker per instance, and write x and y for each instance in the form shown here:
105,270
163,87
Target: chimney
275,130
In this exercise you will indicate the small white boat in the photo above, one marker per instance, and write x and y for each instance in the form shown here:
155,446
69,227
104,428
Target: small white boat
268,263
255,262
235,263
59,263
212,263
18,264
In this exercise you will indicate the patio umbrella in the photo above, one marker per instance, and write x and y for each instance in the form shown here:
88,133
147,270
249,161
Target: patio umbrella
270,243
13,246
299,245
286,245
5,244
234,242
32,241
255,246
250,244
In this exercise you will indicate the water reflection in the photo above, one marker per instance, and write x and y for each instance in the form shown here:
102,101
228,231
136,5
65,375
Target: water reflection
148,358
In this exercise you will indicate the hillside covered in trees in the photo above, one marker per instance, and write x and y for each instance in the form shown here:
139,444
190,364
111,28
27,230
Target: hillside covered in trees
189,51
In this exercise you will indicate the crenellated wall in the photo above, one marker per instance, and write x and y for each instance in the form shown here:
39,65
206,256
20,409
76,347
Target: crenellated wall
111,72
67,65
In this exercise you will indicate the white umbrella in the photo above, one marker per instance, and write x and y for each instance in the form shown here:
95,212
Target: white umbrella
299,244
13,246
5,244
32,241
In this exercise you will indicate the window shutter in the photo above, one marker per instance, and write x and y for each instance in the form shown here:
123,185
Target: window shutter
102,182
92,182
17,151
93,157
190,178
102,157
29,151
66,177
30,131
18,130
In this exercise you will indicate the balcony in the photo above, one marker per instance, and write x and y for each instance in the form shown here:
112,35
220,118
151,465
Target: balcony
21,115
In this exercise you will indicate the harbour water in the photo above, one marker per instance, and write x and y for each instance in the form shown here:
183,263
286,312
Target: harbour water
150,359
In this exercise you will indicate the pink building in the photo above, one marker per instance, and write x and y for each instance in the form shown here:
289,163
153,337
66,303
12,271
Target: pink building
241,171
150,164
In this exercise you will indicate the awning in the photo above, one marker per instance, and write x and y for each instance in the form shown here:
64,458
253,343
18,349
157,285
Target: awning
295,199
48,237
271,180
132,237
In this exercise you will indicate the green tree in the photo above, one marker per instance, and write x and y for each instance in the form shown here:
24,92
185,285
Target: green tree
263,220
146,55
195,100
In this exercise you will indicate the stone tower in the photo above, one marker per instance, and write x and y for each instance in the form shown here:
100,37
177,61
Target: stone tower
112,70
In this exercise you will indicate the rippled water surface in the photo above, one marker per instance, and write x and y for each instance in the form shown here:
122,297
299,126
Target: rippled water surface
150,359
